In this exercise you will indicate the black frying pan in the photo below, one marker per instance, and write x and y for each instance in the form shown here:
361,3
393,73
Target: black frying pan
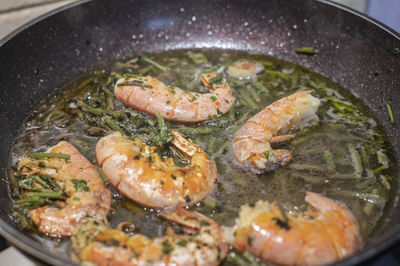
356,51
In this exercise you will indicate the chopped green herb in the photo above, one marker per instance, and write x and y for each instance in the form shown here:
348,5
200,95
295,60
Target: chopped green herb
129,75
253,261
163,129
262,89
219,112
236,259
384,182
167,248
282,224
193,98
213,98
269,155
250,240
204,223
382,158
135,83
154,63
182,242
187,198
306,50
113,125
31,197
88,108
217,79
172,89
168,102
391,116
76,199
43,155
356,159
80,185
210,202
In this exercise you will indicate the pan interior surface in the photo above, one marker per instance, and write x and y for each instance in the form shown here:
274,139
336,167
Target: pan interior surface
357,55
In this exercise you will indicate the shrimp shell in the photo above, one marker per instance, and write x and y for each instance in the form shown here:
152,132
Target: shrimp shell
252,143
173,103
138,172
204,245
327,232
96,202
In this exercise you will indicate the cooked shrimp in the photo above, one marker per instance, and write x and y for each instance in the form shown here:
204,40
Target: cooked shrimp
252,143
244,69
152,96
92,199
323,234
139,173
204,245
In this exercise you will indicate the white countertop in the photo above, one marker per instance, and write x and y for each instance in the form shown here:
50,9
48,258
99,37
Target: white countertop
15,13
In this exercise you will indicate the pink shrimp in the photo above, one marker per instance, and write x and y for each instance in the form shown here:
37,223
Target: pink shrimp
327,232
252,143
93,201
203,246
244,69
150,95
138,172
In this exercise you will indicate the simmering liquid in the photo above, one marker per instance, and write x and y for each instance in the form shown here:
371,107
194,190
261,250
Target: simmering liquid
344,156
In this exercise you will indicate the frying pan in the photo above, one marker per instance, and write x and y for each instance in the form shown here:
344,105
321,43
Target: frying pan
48,53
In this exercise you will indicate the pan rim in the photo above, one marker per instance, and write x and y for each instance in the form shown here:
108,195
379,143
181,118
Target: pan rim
28,245
363,16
